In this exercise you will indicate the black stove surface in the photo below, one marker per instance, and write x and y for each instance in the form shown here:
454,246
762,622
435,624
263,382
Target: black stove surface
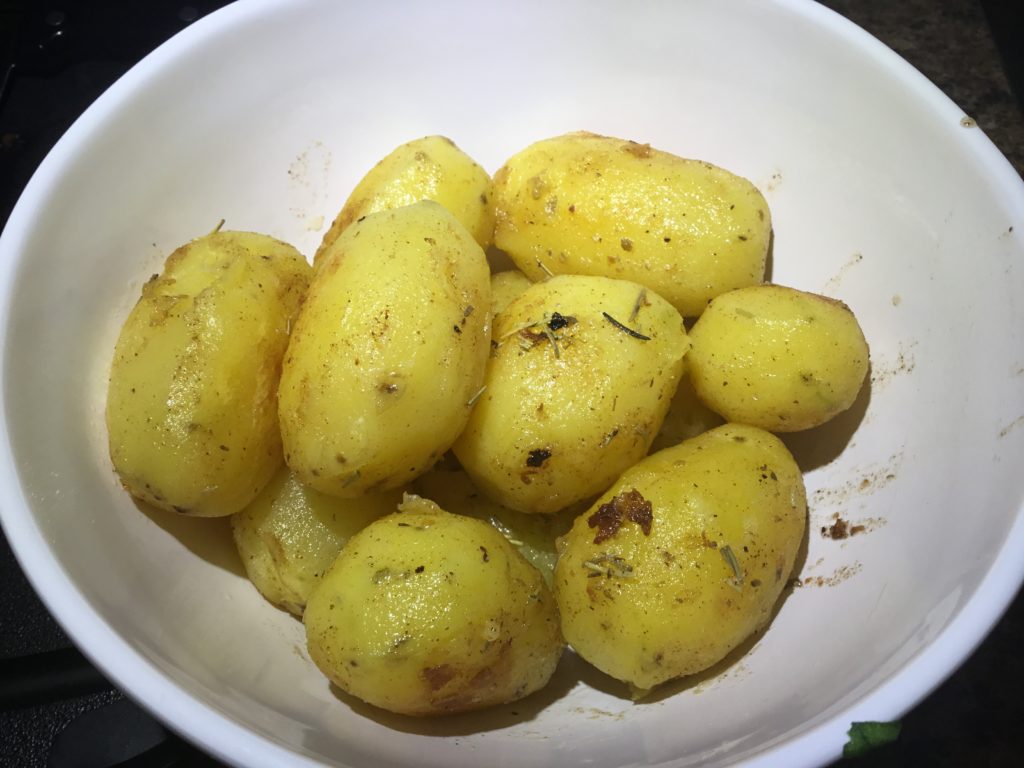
57,710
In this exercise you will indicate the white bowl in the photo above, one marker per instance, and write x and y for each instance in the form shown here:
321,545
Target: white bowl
267,113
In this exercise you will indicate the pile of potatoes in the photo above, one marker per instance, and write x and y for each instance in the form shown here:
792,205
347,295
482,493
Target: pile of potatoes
448,473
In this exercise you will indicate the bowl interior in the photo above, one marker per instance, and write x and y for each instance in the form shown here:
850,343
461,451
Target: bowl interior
266,115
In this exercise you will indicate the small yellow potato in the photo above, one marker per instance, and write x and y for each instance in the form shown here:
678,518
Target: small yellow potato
426,612
431,168
192,399
684,557
387,353
778,358
291,534
594,205
577,386
507,286
533,535
687,417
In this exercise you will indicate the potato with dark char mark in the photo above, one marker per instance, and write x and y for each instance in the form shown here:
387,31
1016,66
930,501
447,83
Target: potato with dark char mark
684,557
387,353
777,358
192,399
291,534
427,613
431,168
580,377
595,205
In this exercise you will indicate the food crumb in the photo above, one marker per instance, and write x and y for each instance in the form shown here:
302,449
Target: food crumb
834,579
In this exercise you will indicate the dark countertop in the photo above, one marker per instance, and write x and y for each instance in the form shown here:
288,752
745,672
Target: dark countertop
973,719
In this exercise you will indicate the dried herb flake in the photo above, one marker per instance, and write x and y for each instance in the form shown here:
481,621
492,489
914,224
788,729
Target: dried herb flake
625,329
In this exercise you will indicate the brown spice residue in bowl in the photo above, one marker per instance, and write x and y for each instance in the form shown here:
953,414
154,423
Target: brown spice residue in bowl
837,577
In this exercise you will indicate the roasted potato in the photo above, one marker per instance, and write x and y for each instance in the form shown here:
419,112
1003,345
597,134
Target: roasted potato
593,205
431,168
290,534
426,612
507,286
387,353
533,535
192,398
687,416
576,389
684,557
777,358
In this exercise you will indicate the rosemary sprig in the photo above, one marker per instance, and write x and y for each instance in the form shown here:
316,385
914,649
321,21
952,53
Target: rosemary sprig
625,329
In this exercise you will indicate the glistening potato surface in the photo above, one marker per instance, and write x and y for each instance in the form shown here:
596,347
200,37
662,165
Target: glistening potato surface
426,612
579,380
387,352
431,168
684,557
595,205
291,534
191,410
777,358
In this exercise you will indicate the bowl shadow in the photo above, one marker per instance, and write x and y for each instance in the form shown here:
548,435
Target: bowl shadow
813,448
565,678
208,538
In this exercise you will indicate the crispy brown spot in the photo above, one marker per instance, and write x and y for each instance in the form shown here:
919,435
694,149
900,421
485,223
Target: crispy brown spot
838,530
628,505
437,677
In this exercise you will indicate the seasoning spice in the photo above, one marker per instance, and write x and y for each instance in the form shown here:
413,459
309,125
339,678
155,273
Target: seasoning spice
537,457
737,572
625,329
641,301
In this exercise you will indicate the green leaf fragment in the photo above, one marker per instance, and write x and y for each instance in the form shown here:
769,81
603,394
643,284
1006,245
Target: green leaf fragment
870,735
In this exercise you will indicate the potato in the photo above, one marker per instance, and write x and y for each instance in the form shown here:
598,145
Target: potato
594,205
507,286
426,612
387,353
290,534
533,535
687,416
577,387
684,557
192,398
431,168
778,358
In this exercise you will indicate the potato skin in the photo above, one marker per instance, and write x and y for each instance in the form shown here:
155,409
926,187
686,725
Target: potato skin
646,605
559,422
506,287
431,168
595,205
388,350
778,358
687,416
291,534
426,612
533,535
192,398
